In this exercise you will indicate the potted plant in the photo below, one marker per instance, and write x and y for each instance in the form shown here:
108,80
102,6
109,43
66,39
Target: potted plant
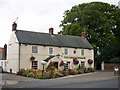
90,61
32,58
62,63
75,61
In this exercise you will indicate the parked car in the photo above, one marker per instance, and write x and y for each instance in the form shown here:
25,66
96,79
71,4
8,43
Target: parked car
1,69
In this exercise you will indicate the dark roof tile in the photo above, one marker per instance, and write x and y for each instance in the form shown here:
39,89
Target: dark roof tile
37,38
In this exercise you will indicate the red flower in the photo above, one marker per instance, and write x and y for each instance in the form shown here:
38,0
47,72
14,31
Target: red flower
32,58
62,63
75,61
90,61
51,64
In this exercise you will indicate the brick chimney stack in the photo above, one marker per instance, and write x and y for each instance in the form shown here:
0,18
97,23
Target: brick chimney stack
14,26
83,34
51,31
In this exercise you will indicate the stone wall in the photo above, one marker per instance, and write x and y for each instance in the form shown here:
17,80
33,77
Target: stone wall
110,66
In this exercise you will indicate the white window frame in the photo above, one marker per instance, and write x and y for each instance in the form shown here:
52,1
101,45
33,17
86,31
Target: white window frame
35,66
34,49
82,64
50,50
82,52
66,51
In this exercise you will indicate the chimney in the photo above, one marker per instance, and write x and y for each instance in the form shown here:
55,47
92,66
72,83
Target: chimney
51,31
83,34
5,51
14,26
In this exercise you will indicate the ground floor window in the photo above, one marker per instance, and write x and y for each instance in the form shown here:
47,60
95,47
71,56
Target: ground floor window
82,64
34,64
67,65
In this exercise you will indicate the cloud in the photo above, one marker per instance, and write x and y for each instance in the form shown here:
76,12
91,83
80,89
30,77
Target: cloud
35,15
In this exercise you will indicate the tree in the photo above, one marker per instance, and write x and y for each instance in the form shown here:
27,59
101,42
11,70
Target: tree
100,21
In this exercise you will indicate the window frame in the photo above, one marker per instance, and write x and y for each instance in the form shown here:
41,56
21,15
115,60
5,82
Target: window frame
34,66
34,49
82,52
65,51
50,50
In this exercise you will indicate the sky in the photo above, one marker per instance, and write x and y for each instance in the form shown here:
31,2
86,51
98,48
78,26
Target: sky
35,15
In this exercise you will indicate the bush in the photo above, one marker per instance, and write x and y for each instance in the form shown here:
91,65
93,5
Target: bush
81,71
57,74
75,71
46,76
25,73
31,74
79,67
17,73
71,72
38,75
91,69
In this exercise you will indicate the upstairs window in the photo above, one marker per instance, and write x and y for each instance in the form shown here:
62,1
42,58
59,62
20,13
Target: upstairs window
50,50
66,51
74,52
34,49
82,52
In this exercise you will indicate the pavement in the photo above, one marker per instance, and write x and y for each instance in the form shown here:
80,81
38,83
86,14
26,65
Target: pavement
24,82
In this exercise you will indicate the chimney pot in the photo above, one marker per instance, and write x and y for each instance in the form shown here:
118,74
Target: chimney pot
51,31
83,34
14,26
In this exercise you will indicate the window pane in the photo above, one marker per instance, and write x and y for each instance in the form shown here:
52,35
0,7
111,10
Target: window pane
66,52
74,52
82,52
50,50
34,49
34,64
82,64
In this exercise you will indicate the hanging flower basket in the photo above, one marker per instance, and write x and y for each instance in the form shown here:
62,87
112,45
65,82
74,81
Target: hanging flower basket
62,63
51,64
75,61
32,58
90,61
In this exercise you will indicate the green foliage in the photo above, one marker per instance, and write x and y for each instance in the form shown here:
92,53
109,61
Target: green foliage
99,20
31,74
50,68
75,71
81,71
38,75
91,69
79,67
17,73
25,73
46,76
57,74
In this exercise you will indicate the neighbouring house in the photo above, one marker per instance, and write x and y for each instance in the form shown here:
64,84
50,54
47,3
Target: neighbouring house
26,49
3,54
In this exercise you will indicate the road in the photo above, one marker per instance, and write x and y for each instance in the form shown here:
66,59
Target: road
89,80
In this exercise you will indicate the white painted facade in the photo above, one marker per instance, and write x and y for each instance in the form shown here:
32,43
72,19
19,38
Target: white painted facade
3,64
20,55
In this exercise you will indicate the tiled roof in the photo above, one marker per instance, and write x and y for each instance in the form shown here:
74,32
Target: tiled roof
37,38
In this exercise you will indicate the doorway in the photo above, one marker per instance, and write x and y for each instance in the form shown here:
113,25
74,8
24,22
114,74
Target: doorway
56,64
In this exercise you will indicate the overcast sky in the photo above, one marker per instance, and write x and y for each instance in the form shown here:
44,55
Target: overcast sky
35,15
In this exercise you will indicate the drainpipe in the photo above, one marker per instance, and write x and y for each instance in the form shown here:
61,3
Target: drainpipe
19,57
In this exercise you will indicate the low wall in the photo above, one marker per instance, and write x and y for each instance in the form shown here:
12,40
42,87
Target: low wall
110,66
